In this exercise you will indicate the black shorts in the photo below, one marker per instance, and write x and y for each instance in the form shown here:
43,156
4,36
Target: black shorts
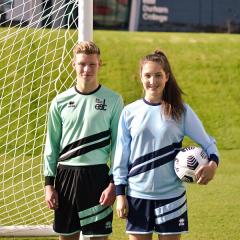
79,190
165,217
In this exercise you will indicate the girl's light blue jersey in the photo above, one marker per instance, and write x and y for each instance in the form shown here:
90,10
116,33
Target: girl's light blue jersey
82,128
147,144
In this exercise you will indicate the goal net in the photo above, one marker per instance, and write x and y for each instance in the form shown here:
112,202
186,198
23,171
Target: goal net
36,41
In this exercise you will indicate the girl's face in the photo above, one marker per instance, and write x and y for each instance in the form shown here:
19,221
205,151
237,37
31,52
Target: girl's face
154,80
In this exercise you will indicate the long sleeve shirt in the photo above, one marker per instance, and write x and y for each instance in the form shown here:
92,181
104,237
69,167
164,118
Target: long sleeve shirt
81,129
147,144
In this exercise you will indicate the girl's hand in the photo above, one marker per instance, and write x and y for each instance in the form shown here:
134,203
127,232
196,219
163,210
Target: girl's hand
206,173
122,206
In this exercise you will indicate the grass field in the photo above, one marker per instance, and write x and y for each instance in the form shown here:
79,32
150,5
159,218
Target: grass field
207,67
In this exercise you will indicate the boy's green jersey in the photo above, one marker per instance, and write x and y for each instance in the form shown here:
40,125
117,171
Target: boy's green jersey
82,129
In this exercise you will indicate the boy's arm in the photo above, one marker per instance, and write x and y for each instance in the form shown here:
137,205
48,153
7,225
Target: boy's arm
52,146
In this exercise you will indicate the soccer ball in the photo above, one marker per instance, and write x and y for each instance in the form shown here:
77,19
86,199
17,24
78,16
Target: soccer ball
187,162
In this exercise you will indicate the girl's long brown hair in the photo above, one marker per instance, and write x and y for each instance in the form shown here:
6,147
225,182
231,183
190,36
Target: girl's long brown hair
172,101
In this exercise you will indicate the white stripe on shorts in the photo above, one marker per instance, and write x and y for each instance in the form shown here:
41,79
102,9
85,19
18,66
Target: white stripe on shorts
171,210
175,214
170,206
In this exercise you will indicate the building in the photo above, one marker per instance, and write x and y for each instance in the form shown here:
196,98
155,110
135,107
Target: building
134,15
108,14
186,15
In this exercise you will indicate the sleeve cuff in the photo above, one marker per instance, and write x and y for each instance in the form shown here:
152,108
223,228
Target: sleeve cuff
120,189
214,157
111,178
49,180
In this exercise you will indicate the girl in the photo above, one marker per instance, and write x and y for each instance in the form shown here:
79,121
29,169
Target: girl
150,133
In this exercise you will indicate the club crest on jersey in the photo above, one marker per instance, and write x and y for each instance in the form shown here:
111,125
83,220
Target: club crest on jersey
71,104
100,104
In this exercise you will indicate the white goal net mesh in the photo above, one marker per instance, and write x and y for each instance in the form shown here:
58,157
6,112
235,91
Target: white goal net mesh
36,40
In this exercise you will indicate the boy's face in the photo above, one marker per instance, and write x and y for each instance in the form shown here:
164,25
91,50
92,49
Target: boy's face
86,67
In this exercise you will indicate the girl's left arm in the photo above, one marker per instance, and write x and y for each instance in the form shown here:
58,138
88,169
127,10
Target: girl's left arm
194,128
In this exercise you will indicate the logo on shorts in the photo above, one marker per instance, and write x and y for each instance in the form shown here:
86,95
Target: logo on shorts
108,225
181,222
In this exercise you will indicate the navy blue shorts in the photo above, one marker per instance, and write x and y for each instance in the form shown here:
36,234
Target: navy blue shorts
79,190
165,217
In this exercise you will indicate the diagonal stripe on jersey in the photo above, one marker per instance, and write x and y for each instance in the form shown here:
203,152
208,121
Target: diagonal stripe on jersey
153,164
86,140
84,150
158,153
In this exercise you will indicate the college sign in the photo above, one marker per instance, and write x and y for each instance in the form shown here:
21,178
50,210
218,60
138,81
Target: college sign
152,11
149,14
184,15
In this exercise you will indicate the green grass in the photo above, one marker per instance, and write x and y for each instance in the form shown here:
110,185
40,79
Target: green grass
207,67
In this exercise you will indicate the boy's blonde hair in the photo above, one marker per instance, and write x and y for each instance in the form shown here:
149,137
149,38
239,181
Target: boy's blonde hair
86,47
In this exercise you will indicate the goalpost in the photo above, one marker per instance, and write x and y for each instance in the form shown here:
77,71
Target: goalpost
36,41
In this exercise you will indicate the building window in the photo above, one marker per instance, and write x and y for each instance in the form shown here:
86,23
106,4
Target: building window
112,14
